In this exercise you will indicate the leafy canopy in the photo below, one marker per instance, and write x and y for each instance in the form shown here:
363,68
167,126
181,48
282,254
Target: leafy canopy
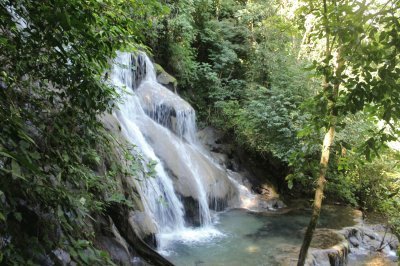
53,56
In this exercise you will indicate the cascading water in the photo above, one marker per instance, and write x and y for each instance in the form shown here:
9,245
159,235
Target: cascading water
153,191
162,127
164,106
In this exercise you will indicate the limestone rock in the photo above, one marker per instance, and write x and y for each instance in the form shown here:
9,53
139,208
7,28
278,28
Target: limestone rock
169,148
366,241
142,224
165,78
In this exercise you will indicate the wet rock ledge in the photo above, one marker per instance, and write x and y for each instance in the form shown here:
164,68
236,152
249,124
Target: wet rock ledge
361,244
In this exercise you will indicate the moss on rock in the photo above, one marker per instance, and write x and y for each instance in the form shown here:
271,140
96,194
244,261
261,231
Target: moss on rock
165,78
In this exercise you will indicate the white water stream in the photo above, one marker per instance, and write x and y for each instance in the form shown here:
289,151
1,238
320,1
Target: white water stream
162,127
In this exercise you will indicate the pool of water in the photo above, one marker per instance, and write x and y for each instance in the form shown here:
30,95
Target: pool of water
247,238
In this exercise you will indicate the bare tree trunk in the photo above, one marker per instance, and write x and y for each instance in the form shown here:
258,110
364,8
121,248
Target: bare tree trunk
319,194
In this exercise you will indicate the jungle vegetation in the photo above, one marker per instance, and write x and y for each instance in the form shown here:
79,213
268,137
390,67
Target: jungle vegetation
313,85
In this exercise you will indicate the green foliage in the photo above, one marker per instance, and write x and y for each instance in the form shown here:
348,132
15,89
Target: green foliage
374,186
52,145
360,71
242,65
171,40
364,43
240,70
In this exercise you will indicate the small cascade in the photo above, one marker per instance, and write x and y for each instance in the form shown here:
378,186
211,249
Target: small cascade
130,70
162,127
248,200
165,107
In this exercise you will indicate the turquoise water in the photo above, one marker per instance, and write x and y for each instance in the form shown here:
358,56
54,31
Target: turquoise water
254,239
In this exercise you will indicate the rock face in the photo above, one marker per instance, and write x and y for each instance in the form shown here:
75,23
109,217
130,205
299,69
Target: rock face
195,175
224,153
214,140
234,158
172,151
123,232
166,79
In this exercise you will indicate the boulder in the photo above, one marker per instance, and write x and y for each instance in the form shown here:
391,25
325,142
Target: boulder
165,78
366,241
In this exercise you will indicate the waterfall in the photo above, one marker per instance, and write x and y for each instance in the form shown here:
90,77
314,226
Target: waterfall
161,105
157,194
162,127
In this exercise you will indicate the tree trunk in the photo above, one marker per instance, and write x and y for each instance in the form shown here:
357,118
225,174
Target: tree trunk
332,92
319,194
323,165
